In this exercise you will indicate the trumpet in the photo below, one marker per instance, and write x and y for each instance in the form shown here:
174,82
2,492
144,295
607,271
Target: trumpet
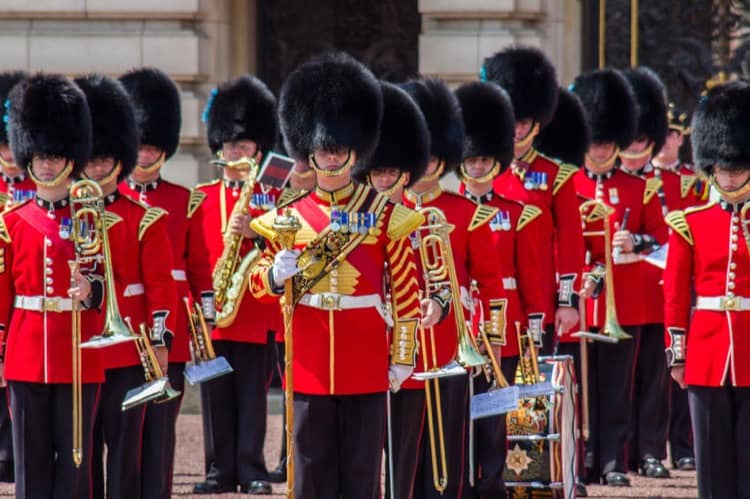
207,365
591,211
157,386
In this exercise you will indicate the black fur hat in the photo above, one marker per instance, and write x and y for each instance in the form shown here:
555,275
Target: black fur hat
568,136
156,101
48,115
529,78
404,139
651,95
442,113
243,108
488,120
721,128
8,80
679,120
112,121
611,107
328,103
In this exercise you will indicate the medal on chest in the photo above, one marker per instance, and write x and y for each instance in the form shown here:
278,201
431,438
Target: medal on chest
66,225
535,181
501,221
614,196
355,222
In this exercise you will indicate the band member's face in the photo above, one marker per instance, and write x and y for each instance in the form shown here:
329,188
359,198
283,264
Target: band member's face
383,179
432,166
232,151
673,143
47,168
148,155
523,127
10,168
637,146
731,180
601,151
332,160
479,166
99,168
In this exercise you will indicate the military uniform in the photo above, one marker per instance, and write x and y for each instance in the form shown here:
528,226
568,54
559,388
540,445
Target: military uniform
14,190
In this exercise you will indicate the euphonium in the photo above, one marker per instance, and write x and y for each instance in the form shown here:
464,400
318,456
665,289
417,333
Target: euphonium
231,273
206,365
591,211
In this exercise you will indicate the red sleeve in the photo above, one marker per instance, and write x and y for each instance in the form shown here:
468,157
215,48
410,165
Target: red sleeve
568,235
197,259
402,271
678,283
484,266
156,275
528,252
652,221
6,285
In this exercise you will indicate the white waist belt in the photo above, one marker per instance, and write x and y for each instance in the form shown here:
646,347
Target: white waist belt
723,303
509,283
179,275
335,301
44,304
133,290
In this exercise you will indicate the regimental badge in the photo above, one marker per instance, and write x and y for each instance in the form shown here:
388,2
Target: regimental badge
501,221
614,196
66,226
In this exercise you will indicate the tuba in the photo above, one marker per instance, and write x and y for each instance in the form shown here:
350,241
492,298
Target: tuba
231,272
207,365
591,211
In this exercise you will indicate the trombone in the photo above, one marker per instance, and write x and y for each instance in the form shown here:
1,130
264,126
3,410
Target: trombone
591,211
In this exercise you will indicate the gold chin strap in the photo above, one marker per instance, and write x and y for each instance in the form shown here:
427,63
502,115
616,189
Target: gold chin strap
635,156
111,176
525,142
332,173
734,196
400,182
605,164
7,164
484,178
435,175
61,177
243,164
153,166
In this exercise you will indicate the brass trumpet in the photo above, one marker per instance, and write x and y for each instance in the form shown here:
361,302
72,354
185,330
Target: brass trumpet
207,365
591,211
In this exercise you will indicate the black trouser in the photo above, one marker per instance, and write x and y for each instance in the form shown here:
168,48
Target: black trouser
721,428
409,424
236,411
680,431
121,431
490,444
610,376
159,439
338,445
650,402
43,440
549,340
454,395
279,366
6,438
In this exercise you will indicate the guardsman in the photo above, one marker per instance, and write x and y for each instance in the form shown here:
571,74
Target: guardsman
517,236
146,293
470,239
398,161
15,187
647,444
157,109
330,112
611,109
707,347
50,134
241,124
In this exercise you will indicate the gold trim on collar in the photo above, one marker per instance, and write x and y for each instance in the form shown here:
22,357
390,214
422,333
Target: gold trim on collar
335,197
420,199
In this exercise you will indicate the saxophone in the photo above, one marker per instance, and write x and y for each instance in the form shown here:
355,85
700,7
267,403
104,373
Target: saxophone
231,273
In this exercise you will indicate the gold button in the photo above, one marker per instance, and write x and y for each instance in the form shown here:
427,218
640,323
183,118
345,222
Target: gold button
734,247
733,265
50,290
730,285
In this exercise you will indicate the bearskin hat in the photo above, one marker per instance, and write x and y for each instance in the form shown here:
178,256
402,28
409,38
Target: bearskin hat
678,119
8,80
112,121
48,115
243,108
568,136
404,139
721,129
651,95
156,101
488,120
611,108
442,113
328,103
529,78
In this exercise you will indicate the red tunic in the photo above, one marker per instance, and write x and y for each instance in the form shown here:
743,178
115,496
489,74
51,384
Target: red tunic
10,185
191,270
34,269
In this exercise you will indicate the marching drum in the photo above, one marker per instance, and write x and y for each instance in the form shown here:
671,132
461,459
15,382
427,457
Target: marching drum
541,459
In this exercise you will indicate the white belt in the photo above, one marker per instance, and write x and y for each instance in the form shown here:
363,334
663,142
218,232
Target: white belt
179,275
44,303
509,283
133,290
723,303
335,301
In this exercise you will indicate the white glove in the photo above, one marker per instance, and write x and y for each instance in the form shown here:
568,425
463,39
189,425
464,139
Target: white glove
397,374
284,266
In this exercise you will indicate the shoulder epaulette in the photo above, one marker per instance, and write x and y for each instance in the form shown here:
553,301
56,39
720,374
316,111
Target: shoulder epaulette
564,173
403,222
135,202
289,195
196,198
686,184
111,218
4,234
653,185
207,184
481,216
263,225
677,221
699,207
529,213
151,216
4,198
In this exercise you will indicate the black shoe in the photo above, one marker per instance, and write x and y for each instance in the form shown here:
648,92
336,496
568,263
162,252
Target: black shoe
278,474
257,487
7,474
213,487
685,464
652,468
616,479
581,490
